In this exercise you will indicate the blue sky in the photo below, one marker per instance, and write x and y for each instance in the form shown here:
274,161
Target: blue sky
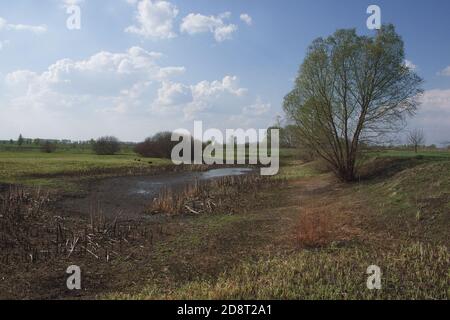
139,66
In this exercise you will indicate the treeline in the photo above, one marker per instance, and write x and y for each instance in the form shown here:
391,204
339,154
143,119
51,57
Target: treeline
159,145
52,145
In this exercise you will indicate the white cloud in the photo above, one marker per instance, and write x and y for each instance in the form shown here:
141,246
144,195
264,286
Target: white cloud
173,94
195,23
104,75
246,18
220,103
216,98
128,94
168,72
433,116
410,65
445,72
436,100
257,109
154,19
229,84
4,25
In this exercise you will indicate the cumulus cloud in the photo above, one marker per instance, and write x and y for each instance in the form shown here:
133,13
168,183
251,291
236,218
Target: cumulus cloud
218,96
257,109
246,18
103,77
436,100
229,84
216,99
154,19
128,94
36,29
195,23
173,94
433,115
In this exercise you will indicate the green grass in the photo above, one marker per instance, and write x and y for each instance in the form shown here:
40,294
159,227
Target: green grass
36,168
296,169
412,203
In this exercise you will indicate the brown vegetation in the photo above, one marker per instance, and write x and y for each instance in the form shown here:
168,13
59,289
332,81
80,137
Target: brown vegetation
217,196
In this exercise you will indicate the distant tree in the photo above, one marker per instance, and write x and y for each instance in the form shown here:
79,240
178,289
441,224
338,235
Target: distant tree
20,140
158,146
416,138
352,89
106,145
11,141
48,147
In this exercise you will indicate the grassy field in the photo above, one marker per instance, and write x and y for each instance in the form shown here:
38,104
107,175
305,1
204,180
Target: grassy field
311,237
52,170
411,154
315,239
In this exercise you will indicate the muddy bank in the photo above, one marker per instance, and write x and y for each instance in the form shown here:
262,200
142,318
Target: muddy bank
128,196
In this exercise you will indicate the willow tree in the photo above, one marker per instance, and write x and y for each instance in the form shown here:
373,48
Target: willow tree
352,89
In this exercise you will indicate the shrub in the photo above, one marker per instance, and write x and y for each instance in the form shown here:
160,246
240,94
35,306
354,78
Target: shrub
48,147
106,146
158,146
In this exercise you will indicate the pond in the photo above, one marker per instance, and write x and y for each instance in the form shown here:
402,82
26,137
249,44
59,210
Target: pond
128,196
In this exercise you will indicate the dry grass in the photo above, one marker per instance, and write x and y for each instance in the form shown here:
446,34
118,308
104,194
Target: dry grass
223,195
36,247
314,230
311,238
29,233
409,271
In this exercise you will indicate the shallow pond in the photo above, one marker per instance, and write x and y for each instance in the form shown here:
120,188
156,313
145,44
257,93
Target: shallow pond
129,195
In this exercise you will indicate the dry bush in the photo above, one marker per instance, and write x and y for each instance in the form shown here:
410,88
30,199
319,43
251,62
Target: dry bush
314,230
30,233
21,226
328,222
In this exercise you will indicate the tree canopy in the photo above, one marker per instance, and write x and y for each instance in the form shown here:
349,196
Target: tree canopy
352,89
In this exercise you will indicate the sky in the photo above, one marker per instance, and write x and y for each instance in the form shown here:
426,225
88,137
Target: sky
136,67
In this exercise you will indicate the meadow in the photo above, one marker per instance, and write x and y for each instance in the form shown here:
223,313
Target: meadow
59,169
315,237
300,235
